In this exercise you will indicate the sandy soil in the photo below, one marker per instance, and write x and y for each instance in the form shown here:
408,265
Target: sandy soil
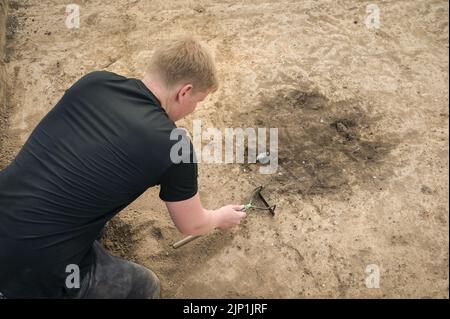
363,122
3,117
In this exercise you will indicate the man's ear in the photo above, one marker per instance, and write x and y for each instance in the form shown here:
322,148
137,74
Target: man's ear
185,90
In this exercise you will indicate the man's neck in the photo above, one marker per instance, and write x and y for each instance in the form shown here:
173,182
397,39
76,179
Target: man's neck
155,86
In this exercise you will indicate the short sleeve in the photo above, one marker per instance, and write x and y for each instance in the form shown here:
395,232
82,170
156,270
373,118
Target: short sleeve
179,182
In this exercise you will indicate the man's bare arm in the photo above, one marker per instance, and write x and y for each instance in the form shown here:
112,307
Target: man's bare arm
191,218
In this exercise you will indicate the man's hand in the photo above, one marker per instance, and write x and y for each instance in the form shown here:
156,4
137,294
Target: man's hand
229,216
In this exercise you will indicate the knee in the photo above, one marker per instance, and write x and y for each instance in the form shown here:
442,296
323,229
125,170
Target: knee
155,286
147,285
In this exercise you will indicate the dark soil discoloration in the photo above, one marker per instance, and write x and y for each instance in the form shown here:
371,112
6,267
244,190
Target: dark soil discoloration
11,27
119,239
324,146
307,100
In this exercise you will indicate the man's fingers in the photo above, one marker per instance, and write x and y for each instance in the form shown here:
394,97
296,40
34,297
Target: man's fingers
238,207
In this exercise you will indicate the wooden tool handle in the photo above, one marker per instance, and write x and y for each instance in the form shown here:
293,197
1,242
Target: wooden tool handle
184,241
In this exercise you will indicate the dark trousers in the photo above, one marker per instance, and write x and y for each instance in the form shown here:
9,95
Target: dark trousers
111,277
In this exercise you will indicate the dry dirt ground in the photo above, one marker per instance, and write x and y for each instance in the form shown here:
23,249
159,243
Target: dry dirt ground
362,115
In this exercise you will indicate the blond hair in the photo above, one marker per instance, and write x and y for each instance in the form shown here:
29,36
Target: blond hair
184,60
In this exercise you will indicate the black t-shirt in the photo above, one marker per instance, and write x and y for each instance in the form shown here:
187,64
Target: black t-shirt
105,142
